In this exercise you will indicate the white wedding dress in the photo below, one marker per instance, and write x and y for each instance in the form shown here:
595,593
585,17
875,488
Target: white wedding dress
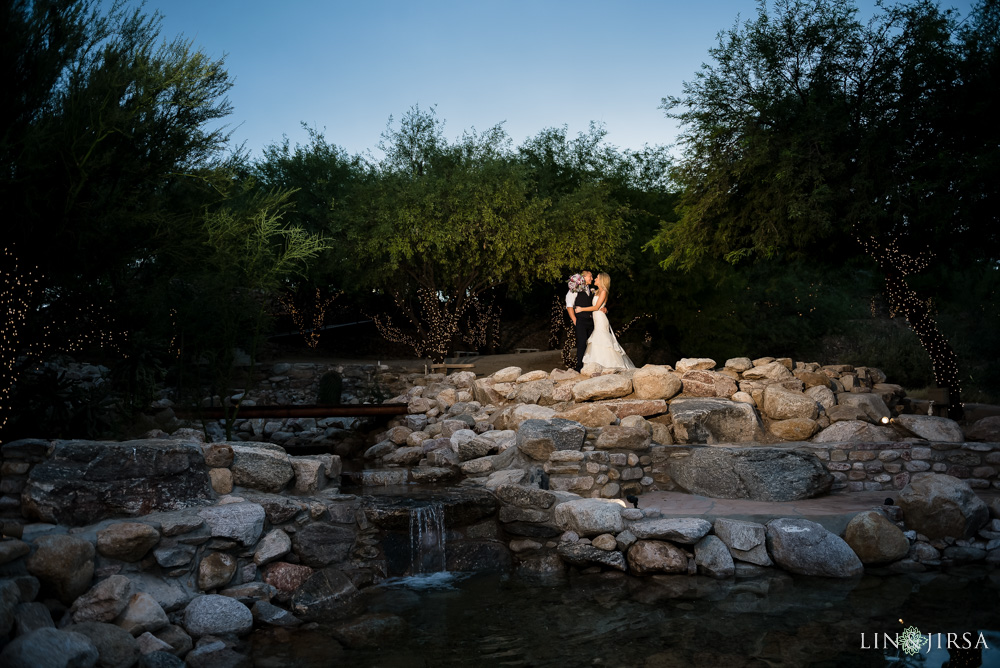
603,347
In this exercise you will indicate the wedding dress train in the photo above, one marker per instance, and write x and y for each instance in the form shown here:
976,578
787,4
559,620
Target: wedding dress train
603,347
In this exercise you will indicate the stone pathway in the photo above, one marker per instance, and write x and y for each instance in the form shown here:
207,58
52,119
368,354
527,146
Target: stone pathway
833,511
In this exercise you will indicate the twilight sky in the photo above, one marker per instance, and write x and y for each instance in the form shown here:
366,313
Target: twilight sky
345,66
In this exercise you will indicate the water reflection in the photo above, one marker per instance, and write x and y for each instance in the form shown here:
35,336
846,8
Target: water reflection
609,619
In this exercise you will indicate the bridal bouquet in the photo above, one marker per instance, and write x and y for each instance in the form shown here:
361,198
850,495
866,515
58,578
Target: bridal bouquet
576,283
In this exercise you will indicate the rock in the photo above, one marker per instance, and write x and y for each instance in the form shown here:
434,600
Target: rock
602,387
142,614
30,617
540,438
694,363
875,539
714,421
211,652
871,404
265,467
408,456
63,564
369,631
794,429
104,602
931,428
116,648
745,540
590,517
986,429
708,384
475,448
593,416
49,648
217,455
770,371
525,497
272,615
327,594
148,643
169,594
687,530
507,375
12,548
524,412
216,570
243,522
739,364
320,544
605,542
623,408
712,558
286,577
10,597
846,413
217,615
251,592
782,404
940,506
823,396
581,554
855,430
756,473
222,480
806,548
620,437
655,382
646,557
127,541
108,479
160,660
310,473
274,545
812,378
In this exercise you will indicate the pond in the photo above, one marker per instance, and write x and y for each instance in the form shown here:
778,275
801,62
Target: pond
610,619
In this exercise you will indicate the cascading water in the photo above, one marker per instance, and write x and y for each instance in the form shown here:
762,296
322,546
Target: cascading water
427,539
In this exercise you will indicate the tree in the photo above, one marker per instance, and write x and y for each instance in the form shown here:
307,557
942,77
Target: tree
440,224
812,132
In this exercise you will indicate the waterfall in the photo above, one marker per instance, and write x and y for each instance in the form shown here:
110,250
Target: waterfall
427,539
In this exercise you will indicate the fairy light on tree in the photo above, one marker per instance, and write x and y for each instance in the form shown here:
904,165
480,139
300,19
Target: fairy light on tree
309,319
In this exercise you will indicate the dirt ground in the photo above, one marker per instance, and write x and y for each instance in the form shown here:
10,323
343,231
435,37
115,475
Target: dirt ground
544,360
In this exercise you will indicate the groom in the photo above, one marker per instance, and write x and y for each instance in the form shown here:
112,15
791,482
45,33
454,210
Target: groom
584,322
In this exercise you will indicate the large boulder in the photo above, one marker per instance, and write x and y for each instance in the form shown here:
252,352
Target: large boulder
105,600
242,521
261,466
327,594
83,482
932,428
610,386
782,404
714,421
701,383
63,564
127,541
581,554
655,382
647,557
712,558
687,530
855,430
870,403
875,539
940,506
756,473
50,648
746,540
216,615
540,438
590,517
986,429
806,548
624,437
320,544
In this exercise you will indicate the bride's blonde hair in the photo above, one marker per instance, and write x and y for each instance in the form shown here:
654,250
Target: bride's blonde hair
604,281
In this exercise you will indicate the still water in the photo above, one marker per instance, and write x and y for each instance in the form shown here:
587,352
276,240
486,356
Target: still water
608,619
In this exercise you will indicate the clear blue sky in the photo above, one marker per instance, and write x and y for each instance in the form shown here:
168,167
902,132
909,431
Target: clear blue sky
345,66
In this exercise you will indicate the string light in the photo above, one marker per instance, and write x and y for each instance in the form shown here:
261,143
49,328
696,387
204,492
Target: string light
316,312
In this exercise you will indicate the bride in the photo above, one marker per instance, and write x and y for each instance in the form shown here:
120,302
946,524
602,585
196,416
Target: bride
602,346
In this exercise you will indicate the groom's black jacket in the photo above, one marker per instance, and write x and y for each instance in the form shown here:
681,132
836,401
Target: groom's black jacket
586,301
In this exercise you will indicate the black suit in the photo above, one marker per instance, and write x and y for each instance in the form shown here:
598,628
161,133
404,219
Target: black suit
584,325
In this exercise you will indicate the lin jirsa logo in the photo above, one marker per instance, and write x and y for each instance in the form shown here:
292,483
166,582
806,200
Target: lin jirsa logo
911,641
